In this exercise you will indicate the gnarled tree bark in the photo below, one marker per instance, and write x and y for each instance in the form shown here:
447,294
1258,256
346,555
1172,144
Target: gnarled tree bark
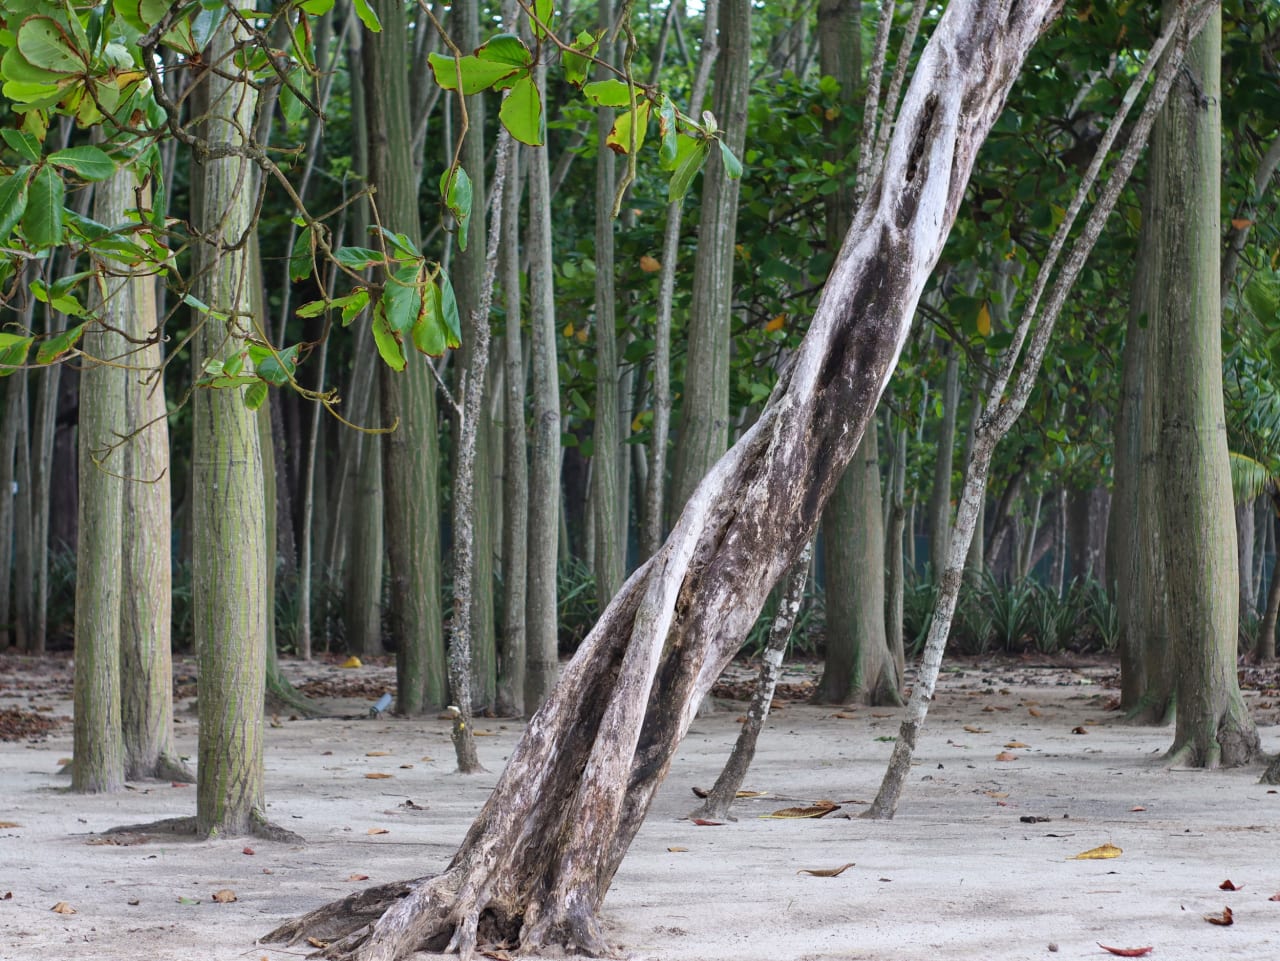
538,860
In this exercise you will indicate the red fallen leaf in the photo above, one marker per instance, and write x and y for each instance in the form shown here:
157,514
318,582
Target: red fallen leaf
7,896
1222,919
704,823
247,851
1127,952
180,784
1229,885
358,877
1274,897
1137,808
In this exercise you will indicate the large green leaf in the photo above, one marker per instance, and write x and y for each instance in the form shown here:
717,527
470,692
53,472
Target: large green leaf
367,16
42,220
691,153
24,143
357,258
541,21
608,93
505,48
619,139
255,395
402,299
476,74
732,165
13,201
577,64
45,44
429,335
55,347
87,162
275,367
13,352
521,112
300,257
386,340
449,312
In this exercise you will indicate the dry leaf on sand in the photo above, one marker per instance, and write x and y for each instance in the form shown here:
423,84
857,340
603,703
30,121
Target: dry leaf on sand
704,823
1222,919
62,908
1100,853
819,809
826,872
1229,885
224,896
378,831
1127,952
1006,756
377,776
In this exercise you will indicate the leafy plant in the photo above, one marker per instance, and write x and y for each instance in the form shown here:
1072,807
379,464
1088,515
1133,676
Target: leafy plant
1051,619
1009,607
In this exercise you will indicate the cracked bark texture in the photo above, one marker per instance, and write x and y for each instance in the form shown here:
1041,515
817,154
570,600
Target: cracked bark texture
538,860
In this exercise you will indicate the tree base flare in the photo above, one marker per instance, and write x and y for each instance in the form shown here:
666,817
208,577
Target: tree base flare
259,827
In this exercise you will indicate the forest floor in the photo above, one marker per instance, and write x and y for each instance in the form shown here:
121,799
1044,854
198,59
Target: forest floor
1021,767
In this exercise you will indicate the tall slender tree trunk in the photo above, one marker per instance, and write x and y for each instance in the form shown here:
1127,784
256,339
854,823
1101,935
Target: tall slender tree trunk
10,430
146,613
608,465
98,757
1193,500
229,550
940,493
704,412
542,664
1267,629
410,455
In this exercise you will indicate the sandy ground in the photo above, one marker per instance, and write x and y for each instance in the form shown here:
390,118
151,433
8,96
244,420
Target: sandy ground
957,874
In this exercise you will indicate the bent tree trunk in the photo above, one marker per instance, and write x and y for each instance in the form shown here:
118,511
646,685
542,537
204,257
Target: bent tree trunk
537,862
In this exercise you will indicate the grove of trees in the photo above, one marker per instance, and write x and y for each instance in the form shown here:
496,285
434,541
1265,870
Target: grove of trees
534,342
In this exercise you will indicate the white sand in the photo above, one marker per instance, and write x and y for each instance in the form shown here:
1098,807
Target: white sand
955,876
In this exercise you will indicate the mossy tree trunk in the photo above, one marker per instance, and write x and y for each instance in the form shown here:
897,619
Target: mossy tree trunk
410,455
541,855
98,757
1193,499
229,576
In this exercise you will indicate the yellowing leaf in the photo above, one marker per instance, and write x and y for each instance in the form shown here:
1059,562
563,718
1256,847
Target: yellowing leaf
1241,223
677,850
568,329
650,265
376,753
582,335
1016,744
372,831
352,661
1100,853
984,321
775,324
826,872
10,824
377,776
224,896
974,729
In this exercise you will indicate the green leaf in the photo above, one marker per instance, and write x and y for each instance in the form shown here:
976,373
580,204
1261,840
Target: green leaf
55,347
543,10
576,65
317,8
732,165
255,395
401,242
13,201
476,74
402,299
13,352
274,367
367,16
352,304
313,308
691,154
386,340
300,258
87,162
521,112
24,143
456,189
667,130
505,48
608,93
449,312
429,335
619,139
357,258
42,220
44,43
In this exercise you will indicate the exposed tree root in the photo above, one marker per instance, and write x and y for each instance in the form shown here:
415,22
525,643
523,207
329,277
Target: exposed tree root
1233,743
1272,774
260,827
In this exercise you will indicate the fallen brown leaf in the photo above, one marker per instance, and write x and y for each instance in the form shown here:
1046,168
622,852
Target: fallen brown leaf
826,872
677,850
10,824
1137,807
976,730
845,715
62,908
134,902
1079,730
7,896
377,753
1127,952
988,709
1006,756
406,767
704,823
649,265
180,784
1224,919
819,809
1102,852
996,793
1274,897
224,896
377,776
358,877
485,733
1012,745
317,943
247,851
377,831
1229,885
1033,712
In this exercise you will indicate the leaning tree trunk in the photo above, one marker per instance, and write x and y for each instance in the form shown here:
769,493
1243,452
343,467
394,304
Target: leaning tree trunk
1193,501
538,860
1267,630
